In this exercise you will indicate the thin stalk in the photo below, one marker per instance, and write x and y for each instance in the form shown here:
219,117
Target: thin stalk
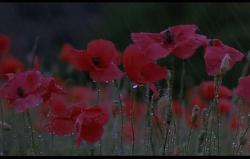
132,121
243,136
151,125
32,133
218,80
122,117
2,127
97,103
169,109
188,142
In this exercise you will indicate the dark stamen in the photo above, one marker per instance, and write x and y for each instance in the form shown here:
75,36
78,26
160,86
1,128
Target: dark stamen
96,61
168,36
20,92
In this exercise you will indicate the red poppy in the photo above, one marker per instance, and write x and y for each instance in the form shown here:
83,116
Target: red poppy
181,40
61,119
177,108
207,89
100,59
50,86
4,44
90,123
243,88
224,106
215,52
235,123
141,69
199,102
10,64
79,93
73,56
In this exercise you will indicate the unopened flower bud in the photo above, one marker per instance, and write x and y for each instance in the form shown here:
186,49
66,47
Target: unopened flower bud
195,113
225,64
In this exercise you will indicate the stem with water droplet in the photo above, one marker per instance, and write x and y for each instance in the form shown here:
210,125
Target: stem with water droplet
132,119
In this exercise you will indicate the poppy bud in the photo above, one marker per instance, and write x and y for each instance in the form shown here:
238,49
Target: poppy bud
169,117
5,125
225,65
195,113
248,119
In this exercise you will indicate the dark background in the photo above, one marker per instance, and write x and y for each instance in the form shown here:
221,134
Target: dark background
78,23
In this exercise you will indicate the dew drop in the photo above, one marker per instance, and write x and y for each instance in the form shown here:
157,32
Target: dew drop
135,86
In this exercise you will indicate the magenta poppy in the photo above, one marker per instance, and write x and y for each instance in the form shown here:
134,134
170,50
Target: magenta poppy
181,40
216,53
243,88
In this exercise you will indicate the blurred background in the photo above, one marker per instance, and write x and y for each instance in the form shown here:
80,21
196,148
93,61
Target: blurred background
79,23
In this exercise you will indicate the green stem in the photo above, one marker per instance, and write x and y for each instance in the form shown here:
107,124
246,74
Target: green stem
32,133
122,117
132,120
2,127
169,109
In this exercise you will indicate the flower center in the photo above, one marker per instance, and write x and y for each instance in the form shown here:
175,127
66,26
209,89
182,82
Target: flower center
168,37
20,92
96,61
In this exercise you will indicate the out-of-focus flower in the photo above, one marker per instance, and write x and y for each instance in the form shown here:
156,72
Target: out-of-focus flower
243,88
207,89
4,44
90,123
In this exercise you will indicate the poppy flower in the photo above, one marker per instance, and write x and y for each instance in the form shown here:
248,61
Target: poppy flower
199,102
4,44
215,52
235,123
73,56
27,89
207,89
177,108
224,106
181,40
61,119
50,86
79,93
243,88
100,59
10,64
20,90
89,124
142,70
